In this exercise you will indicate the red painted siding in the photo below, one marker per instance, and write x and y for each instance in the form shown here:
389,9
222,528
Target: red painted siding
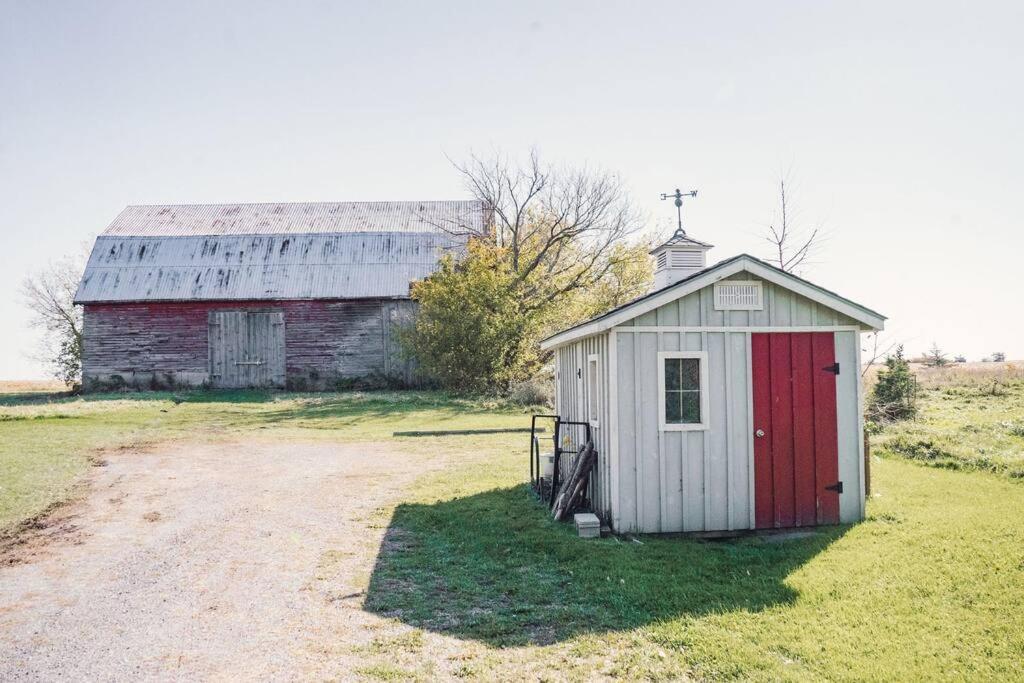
324,340
795,406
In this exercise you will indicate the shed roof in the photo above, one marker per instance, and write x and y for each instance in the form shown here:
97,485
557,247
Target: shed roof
272,251
743,262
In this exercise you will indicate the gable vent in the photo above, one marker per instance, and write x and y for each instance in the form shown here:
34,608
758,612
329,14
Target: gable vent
739,295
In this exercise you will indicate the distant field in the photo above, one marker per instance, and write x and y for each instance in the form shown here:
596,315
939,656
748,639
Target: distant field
30,386
958,373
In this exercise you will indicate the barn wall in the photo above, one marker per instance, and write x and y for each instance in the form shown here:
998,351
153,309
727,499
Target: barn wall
324,341
572,393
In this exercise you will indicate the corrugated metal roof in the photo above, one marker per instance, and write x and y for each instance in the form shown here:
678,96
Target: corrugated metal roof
292,218
315,254
681,239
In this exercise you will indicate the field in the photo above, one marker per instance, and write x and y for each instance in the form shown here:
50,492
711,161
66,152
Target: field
474,581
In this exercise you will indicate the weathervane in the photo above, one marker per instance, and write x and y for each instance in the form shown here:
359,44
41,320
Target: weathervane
679,207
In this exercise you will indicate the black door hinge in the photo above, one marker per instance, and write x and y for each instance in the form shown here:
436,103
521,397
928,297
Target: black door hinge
834,368
837,487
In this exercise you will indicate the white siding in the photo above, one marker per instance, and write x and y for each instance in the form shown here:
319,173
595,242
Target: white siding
683,481
572,396
648,480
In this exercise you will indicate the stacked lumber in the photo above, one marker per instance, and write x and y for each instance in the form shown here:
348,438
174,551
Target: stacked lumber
571,492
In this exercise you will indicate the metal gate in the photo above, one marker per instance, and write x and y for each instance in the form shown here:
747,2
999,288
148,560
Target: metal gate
246,349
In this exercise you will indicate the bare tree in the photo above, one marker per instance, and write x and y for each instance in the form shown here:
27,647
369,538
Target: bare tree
791,245
560,225
998,356
935,357
49,294
878,348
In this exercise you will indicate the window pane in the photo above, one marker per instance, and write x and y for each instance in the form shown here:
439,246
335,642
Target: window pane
673,371
673,407
690,407
690,370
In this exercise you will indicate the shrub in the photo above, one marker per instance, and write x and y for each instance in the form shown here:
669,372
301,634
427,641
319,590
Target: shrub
895,392
534,392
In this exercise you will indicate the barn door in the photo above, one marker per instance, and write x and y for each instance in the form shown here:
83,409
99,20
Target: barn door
796,448
246,349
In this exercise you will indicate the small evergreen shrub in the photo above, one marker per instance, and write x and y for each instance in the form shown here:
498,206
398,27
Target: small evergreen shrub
895,393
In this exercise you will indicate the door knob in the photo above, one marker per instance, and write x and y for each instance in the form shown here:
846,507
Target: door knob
759,433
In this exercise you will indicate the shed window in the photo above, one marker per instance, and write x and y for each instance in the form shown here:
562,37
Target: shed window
593,391
682,378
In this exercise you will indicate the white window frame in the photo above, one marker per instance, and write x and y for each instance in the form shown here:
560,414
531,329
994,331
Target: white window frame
705,401
594,390
757,284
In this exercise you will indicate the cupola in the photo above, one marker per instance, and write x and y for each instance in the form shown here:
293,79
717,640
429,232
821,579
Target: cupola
678,258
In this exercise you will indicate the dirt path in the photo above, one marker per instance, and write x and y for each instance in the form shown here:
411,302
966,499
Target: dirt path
214,561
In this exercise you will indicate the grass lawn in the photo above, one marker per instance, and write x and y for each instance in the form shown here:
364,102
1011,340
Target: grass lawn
931,585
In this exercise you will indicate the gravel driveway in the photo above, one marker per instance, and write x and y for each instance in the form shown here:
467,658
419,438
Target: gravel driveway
214,561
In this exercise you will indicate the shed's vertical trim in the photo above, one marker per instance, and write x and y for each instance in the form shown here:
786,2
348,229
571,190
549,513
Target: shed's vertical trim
613,427
637,432
729,448
750,430
663,498
860,423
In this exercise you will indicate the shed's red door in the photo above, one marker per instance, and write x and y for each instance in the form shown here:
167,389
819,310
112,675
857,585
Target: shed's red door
796,448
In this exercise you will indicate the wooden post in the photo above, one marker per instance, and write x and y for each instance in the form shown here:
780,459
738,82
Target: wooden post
867,465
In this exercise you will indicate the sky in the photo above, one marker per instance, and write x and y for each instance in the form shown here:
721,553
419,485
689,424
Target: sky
898,124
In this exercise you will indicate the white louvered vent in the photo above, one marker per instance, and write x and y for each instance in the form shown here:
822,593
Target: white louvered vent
686,259
738,295
662,260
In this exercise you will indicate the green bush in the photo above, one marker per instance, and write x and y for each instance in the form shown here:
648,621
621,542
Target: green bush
895,393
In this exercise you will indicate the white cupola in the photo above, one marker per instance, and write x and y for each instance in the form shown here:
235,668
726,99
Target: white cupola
678,258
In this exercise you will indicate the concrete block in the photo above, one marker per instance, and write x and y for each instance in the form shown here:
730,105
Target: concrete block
587,525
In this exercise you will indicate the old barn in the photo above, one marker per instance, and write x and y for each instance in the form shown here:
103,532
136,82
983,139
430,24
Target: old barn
234,295
728,398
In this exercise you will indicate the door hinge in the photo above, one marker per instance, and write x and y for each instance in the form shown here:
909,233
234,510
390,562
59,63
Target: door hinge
834,368
837,487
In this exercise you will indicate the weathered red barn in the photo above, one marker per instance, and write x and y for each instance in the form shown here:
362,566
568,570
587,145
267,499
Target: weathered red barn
232,295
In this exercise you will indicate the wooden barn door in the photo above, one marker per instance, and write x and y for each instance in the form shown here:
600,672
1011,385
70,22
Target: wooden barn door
246,349
796,448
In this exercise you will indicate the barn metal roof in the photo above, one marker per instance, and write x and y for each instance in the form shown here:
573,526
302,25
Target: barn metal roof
303,251
168,220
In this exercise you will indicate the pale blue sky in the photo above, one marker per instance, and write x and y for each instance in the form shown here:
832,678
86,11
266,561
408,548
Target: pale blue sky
900,122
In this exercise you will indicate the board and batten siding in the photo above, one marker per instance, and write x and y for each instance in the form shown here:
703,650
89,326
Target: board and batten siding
572,394
702,480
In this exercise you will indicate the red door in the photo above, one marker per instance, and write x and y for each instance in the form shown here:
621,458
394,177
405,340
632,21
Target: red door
796,447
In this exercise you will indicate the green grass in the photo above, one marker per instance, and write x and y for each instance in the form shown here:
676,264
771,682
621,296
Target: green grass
978,426
930,586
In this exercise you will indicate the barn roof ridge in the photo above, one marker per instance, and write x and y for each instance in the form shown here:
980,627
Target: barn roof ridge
696,281
415,216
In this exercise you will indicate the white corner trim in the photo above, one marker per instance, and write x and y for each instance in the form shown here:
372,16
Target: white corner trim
713,275
705,402
593,390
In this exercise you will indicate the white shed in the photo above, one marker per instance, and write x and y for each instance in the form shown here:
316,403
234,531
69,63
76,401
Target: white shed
728,398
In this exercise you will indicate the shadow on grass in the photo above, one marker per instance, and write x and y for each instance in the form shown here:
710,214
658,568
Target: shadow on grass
493,567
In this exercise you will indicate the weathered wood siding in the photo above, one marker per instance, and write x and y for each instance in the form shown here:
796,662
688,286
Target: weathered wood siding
168,343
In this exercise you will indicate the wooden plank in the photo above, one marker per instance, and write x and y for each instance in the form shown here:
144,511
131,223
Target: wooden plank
826,446
764,503
805,500
782,429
